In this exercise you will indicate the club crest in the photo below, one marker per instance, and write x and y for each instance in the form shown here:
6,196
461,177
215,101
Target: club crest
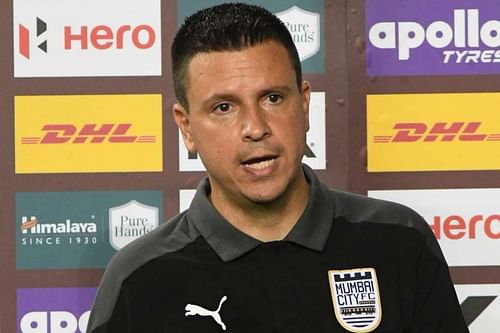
356,298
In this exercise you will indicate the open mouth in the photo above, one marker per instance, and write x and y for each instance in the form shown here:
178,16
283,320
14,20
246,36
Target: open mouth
259,163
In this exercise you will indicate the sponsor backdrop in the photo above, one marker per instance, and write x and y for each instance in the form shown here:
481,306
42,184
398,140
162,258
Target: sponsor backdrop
404,108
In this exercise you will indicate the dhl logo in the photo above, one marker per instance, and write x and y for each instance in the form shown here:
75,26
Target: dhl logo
433,132
91,133
438,131
88,133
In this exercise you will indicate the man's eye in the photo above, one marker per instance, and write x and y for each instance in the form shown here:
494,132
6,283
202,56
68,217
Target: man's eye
274,98
224,107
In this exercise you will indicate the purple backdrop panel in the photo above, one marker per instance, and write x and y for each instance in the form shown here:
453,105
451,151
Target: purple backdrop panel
53,310
428,37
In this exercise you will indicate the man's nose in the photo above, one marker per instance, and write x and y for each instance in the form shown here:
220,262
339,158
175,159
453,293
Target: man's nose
255,125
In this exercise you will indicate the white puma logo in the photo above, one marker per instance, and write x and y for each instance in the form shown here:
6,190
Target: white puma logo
193,309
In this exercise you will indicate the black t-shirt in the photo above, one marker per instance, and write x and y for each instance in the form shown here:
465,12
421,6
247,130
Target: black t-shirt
350,264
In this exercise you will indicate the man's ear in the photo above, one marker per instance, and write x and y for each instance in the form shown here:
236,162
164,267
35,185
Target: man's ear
306,99
181,117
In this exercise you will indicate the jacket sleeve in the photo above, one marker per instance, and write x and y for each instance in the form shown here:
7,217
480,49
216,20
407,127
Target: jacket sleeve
117,321
436,307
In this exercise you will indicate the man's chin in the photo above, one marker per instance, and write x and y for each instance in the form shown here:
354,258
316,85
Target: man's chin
264,198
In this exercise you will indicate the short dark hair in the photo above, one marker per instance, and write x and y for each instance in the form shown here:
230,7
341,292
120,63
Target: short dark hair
226,27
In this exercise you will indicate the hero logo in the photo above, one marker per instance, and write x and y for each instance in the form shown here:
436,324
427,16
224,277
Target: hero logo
439,131
54,322
87,38
456,227
465,221
103,37
465,33
92,133
24,38
100,37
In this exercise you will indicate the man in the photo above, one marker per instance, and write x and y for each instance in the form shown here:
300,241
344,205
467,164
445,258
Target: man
264,246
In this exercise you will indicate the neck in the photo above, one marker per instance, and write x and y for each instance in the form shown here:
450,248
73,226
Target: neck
268,221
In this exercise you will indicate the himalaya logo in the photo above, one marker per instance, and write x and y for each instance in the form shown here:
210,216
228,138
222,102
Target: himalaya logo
33,226
466,39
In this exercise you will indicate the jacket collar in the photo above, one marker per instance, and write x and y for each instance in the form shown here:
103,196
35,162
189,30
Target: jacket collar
311,230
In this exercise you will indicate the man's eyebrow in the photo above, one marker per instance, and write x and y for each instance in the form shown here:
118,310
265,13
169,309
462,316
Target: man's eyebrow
228,96
219,97
273,89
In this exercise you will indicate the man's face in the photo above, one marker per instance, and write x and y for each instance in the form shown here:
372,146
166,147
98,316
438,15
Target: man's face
247,120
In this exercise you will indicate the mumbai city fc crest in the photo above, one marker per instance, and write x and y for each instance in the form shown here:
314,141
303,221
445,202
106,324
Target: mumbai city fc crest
356,298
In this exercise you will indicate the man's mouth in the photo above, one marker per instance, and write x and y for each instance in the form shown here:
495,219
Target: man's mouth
259,164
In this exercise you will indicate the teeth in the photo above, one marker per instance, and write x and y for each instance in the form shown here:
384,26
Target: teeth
261,165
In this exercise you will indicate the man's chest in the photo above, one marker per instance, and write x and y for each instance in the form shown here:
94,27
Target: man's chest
269,293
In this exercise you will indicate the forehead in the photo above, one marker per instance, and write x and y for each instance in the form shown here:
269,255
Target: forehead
267,62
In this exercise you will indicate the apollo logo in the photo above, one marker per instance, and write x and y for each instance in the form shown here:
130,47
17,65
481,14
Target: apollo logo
457,37
25,39
54,322
91,133
438,131
53,310
465,32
